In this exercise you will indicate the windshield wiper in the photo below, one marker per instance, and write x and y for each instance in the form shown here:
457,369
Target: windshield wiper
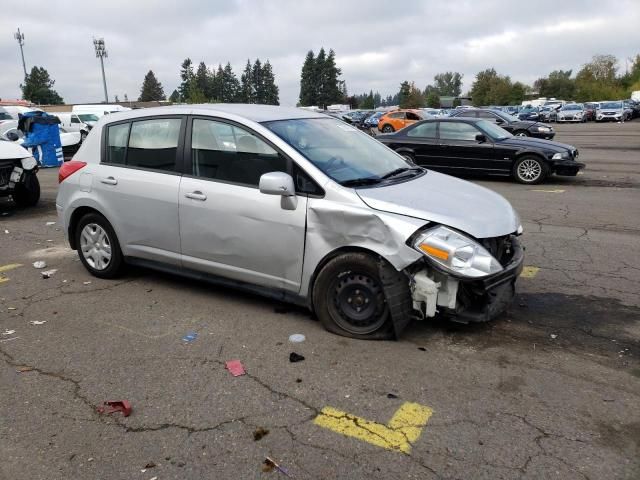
357,182
398,171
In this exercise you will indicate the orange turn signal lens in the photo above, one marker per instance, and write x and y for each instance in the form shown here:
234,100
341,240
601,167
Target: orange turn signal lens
435,252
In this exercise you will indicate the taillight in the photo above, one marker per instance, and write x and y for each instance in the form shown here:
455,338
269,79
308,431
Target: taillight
69,168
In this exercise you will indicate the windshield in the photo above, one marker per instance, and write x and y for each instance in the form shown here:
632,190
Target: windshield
340,151
88,117
573,106
493,130
611,105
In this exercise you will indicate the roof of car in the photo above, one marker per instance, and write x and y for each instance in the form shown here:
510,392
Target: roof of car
256,113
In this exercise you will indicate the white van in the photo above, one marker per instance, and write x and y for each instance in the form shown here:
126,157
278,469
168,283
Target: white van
71,122
98,110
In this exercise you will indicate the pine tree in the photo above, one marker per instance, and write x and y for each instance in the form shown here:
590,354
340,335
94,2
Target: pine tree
38,89
403,95
271,91
186,74
330,85
257,81
231,85
219,86
307,81
319,80
201,80
246,88
151,89
175,97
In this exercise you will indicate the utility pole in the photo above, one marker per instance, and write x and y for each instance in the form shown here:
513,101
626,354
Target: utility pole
20,37
101,52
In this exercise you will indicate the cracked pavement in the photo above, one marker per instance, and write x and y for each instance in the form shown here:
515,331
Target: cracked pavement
550,390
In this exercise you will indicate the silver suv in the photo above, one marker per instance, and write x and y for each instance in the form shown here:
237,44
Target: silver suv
294,205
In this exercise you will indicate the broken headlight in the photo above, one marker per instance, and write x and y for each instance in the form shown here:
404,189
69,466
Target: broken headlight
457,253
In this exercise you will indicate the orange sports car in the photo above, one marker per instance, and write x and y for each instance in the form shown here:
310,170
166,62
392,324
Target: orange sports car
398,119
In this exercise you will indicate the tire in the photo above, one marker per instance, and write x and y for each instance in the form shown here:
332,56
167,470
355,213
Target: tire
98,246
409,157
521,133
27,193
387,129
349,299
530,170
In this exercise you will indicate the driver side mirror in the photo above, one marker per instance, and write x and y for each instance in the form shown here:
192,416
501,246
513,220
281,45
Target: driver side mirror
481,138
277,183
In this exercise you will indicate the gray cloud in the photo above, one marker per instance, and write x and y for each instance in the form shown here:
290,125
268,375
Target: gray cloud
378,43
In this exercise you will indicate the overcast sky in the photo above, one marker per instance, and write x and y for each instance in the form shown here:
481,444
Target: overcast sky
378,43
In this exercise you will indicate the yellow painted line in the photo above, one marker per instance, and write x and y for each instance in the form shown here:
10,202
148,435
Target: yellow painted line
403,429
547,191
11,266
529,272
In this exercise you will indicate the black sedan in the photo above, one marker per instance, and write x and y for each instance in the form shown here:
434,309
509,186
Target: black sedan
467,145
519,128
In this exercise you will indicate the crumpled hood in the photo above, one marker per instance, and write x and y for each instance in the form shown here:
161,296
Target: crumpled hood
10,150
443,199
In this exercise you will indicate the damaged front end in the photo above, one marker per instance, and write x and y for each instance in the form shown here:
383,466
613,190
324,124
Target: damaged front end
464,279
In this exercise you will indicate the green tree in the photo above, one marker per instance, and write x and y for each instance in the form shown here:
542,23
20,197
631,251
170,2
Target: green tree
433,100
308,93
403,94
246,94
230,85
367,102
597,80
319,78
38,88
490,88
186,74
329,87
448,84
203,81
257,81
195,95
218,86
558,84
151,89
174,97
518,93
271,90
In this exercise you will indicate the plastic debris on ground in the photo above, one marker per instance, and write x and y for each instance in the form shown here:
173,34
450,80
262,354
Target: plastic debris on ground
87,283
295,357
25,369
297,338
40,264
269,465
8,332
235,367
49,273
116,406
6,231
48,224
38,322
190,337
392,395
259,433
553,336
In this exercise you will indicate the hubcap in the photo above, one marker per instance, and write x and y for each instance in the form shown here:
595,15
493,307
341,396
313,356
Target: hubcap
358,303
529,170
95,246
521,134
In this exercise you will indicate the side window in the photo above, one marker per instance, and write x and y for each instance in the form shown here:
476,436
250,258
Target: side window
424,130
457,131
412,116
74,119
117,137
303,182
397,115
154,143
221,151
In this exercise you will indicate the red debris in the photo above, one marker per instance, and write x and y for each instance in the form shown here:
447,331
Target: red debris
116,406
235,367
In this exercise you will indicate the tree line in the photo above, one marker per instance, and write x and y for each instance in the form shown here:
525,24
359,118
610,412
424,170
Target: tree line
320,82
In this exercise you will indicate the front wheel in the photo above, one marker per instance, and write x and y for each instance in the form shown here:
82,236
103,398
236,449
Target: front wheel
98,246
530,170
27,193
521,133
349,299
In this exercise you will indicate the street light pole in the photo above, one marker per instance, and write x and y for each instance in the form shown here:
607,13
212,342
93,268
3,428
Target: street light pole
101,52
20,37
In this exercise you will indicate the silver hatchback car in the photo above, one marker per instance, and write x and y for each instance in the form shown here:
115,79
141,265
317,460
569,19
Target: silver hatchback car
291,204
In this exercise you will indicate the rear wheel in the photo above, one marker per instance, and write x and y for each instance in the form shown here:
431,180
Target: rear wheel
98,246
387,129
27,193
349,299
530,170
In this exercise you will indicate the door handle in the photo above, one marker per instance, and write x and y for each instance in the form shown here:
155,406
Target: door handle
197,195
109,181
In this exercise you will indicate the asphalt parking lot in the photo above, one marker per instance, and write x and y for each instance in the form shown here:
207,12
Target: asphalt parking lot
550,390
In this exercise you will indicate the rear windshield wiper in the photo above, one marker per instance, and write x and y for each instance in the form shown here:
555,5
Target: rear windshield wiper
357,182
398,171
